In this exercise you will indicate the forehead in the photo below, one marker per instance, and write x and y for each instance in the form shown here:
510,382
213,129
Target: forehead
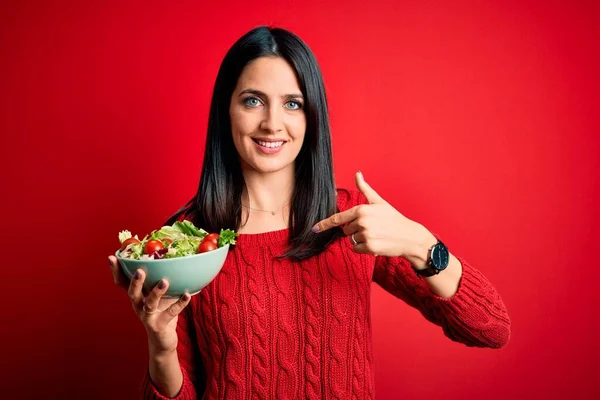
272,75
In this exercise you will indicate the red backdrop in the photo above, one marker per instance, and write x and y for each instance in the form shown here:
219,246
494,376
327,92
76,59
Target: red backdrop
479,120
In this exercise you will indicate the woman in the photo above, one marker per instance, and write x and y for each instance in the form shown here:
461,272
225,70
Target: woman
289,314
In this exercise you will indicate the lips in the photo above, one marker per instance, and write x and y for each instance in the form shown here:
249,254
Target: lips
271,144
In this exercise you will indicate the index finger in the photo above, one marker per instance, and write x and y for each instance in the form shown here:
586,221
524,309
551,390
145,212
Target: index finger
336,220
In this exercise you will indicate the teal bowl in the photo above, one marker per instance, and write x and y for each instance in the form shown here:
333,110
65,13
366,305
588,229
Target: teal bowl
184,274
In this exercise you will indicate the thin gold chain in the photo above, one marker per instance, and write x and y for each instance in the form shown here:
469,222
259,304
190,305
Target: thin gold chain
269,211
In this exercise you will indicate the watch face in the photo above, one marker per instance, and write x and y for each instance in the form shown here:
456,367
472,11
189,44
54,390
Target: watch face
440,257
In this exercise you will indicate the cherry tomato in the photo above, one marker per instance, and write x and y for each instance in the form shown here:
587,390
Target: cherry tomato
152,246
127,242
207,245
167,240
213,237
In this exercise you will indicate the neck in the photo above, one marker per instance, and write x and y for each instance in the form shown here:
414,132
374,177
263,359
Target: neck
268,191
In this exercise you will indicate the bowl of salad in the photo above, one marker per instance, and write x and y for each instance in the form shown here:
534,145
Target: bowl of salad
189,258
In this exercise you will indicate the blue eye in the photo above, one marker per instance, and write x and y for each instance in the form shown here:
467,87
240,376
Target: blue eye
293,105
251,102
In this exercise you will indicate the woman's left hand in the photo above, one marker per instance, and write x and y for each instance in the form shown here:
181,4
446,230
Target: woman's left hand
378,228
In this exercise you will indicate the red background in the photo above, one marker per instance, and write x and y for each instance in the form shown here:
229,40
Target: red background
477,119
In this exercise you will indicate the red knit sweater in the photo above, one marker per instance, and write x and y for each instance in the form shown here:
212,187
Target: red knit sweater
266,328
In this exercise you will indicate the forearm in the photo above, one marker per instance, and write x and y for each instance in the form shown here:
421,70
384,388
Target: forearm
445,284
165,372
460,298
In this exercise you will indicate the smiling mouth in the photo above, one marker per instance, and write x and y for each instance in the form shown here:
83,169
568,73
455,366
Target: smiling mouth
270,145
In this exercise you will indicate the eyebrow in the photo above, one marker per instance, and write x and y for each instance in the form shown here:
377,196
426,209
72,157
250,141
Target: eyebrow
259,93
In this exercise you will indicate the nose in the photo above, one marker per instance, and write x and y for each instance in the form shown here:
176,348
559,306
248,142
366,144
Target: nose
273,120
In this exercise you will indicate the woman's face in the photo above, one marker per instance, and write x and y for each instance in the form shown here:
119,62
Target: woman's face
267,115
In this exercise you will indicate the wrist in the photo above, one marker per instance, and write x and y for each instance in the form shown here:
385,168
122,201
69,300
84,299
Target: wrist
419,253
161,356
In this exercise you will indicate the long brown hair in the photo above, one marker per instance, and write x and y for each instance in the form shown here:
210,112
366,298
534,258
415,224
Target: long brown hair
217,203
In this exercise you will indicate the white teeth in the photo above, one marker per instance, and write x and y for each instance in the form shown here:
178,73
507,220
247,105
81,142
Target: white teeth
269,144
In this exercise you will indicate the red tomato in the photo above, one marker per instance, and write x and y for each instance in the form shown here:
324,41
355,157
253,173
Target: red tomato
152,246
127,242
167,240
207,245
213,237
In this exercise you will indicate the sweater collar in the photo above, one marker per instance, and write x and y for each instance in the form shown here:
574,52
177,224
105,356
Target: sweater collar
280,236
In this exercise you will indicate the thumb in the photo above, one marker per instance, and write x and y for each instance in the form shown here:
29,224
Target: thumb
363,186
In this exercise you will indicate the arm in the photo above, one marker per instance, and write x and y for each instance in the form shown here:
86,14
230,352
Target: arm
460,299
474,315
174,375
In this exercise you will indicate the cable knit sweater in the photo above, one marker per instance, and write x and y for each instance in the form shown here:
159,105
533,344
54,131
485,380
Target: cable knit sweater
267,328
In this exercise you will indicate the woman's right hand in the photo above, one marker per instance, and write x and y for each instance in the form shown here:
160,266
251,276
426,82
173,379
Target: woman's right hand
158,315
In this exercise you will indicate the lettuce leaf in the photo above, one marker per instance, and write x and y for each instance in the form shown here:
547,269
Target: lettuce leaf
187,246
227,236
170,232
124,235
134,251
189,228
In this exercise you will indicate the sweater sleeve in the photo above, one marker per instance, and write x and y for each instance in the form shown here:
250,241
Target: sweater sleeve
189,360
474,316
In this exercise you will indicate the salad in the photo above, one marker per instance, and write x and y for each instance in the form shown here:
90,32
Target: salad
179,240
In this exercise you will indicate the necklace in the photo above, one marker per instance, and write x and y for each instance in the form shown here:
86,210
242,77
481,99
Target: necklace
269,211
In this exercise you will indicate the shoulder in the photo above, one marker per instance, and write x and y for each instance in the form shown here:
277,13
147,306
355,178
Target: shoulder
348,198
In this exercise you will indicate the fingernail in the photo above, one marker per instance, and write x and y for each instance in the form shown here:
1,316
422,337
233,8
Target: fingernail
162,284
316,228
185,297
137,275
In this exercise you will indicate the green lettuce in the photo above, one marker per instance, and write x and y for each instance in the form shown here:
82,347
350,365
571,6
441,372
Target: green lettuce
184,239
168,232
185,247
227,236
189,228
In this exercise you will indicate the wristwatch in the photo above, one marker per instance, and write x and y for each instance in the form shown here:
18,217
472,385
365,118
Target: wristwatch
438,258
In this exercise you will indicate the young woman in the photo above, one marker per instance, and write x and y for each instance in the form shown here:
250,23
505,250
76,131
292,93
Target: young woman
289,314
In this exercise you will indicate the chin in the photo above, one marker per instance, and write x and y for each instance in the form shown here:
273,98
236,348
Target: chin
270,167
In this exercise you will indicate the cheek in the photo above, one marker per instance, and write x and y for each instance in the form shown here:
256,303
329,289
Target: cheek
241,125
237,131
297,128
300,131
235,122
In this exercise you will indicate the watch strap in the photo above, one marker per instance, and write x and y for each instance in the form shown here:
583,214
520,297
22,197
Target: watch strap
430,270
427,272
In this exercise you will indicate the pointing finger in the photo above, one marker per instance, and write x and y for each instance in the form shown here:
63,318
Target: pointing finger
336,220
